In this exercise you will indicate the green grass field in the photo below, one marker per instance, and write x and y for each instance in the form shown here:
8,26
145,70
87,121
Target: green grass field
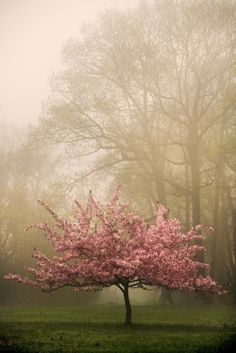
91,329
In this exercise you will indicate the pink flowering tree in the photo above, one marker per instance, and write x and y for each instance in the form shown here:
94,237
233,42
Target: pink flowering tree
112,246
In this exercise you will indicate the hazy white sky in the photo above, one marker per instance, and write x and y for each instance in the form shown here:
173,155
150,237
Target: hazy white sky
32,33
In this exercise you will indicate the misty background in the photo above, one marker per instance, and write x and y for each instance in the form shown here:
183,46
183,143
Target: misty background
99,93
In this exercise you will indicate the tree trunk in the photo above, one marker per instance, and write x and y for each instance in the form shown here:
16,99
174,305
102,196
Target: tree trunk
128,310
216,226
187,201
165,297
216,212
195,178
234,254
194,163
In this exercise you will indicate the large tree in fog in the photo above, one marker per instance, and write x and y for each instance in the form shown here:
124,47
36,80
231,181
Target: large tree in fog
141,82
148,93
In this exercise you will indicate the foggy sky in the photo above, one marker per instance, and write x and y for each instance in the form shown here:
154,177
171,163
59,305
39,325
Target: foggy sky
32,33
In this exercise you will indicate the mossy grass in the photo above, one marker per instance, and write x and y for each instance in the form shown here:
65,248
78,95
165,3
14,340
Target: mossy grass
157,328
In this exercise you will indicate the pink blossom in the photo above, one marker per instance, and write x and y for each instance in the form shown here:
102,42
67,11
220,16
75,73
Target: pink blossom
111,245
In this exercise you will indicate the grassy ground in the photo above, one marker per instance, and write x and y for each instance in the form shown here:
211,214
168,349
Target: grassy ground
99,329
